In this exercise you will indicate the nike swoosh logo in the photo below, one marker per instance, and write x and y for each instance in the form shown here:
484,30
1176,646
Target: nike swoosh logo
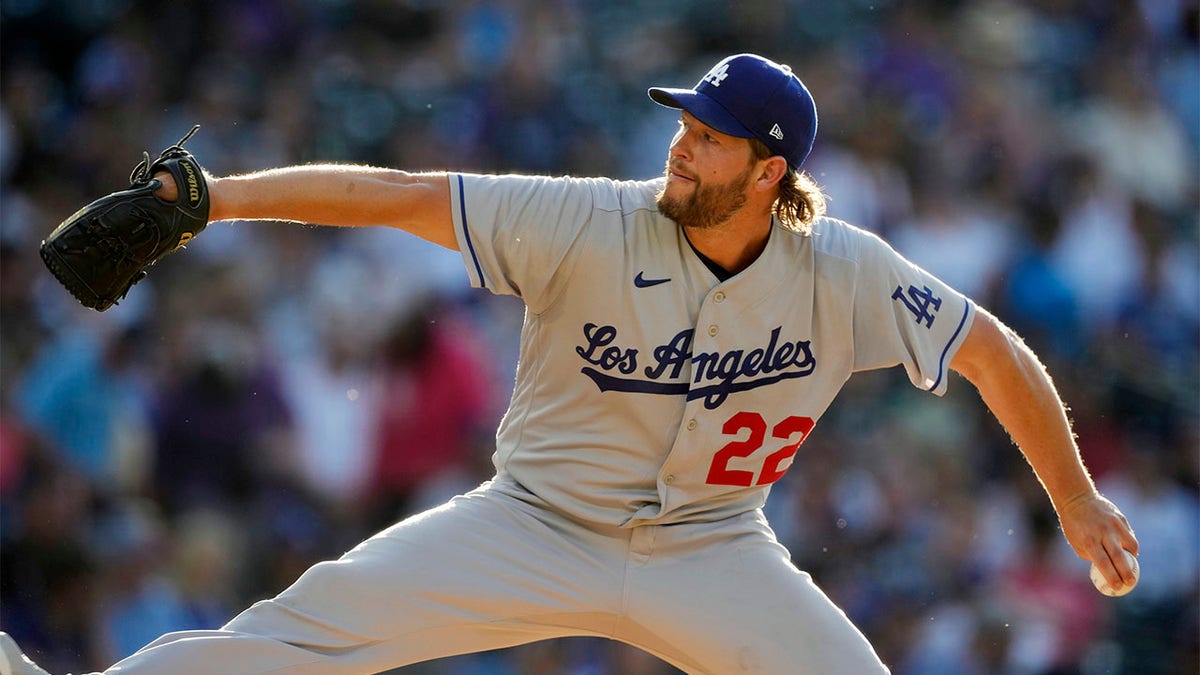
642,282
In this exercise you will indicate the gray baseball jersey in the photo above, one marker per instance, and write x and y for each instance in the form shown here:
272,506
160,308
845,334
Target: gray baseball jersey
649,391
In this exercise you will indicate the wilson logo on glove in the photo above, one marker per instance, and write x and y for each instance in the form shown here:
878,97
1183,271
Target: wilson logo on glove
193,183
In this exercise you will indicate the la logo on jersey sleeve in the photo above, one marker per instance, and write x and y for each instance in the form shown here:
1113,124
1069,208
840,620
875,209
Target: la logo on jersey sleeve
923,304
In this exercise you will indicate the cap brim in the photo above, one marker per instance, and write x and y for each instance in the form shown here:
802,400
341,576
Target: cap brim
702,108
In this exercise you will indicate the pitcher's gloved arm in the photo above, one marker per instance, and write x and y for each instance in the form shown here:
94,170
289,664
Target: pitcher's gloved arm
340,195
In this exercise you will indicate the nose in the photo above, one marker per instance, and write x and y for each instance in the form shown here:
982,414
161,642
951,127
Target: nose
680,145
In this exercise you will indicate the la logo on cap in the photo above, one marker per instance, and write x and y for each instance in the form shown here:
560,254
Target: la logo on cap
717,74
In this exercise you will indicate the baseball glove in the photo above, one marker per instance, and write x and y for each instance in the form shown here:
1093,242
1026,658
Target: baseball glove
102,250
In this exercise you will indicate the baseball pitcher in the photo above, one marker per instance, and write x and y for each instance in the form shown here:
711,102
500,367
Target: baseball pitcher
682,338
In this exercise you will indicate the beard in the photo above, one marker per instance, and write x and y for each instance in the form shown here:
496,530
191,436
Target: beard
708,205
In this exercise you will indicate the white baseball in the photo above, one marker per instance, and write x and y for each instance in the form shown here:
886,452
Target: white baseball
1102,585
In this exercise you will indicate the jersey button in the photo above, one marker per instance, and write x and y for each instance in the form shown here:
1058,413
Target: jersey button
713,330
719,296
691,424
669,478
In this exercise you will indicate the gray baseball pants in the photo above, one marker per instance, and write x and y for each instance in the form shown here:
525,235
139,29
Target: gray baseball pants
493,569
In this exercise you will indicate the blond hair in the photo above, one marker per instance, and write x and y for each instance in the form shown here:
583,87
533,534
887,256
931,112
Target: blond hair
800,200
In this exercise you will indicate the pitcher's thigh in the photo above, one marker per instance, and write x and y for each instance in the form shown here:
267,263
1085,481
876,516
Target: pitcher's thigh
460,578
744,608
481,560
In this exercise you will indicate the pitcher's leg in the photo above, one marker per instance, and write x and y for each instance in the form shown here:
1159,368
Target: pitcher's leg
224,651
482,572
727,598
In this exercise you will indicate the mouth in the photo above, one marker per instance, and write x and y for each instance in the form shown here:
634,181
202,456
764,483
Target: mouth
676,175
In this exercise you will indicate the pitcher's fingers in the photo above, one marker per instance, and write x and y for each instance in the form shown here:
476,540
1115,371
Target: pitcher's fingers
169,191
1120,563
1129,540
1105,563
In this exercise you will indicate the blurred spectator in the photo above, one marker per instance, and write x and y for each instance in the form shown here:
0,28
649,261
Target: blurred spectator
333,395
140,601
208,554
23,338
1055,613
1166,513
223,424
962,636
1036,299
954,240
435,413
49,588
1132,138
861,179
81,394
1096,233
1159,324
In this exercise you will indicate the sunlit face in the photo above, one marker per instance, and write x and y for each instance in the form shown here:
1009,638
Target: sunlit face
708,174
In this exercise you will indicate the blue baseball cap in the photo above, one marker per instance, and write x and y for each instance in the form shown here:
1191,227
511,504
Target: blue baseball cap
748,96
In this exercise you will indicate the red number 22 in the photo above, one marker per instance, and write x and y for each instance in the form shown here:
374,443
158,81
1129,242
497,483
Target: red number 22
720,473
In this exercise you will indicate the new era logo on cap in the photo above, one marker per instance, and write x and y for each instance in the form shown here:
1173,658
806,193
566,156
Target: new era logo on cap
749,96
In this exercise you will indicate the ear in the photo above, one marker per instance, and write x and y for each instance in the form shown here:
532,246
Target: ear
771,171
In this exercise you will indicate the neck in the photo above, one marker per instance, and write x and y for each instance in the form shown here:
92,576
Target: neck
734,244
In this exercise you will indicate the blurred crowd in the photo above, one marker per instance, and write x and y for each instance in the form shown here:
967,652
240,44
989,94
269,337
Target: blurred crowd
277,392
